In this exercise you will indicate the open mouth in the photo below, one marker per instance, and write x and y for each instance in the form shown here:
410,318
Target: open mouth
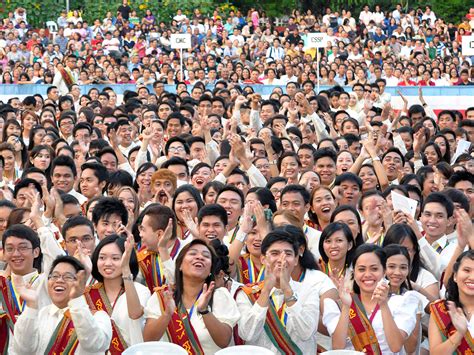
326,209
198,265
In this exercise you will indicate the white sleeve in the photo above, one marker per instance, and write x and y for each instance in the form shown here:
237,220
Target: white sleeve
49,247
169,269
431,259
153,308
252,318
303,315
404,312
256,177
221,178
26,337
318,125
224,307
141,158
255,121
94,332
128,168
331,315
212,151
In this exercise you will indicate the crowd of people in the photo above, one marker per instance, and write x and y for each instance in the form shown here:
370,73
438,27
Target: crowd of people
210,216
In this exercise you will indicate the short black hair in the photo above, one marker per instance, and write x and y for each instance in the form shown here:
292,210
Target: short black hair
458,197
120,242
74,222
67,259
213,210
177,139
100,171
394,150
296,189
348,177
21,231
108,206
175,161
325,153
233,189
25,183
443,200
279,235
459,176
64,160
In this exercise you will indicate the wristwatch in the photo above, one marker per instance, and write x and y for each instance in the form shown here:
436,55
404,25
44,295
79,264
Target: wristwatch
127,278
292,298
206,311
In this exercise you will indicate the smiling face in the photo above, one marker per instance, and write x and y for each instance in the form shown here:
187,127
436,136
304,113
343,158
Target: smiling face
368,271
197,262
273,257
212,227
398,268
464,277
201,177
323,204
232,203
434,220
109,261
336,247
350,220
19,255
185,201
344,162
60,283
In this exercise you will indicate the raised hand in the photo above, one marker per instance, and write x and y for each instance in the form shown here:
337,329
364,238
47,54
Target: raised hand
167,235
458,317
262,223
190,223
342,285
82,254
270,278
381,292
79,285
285,273
246,223
464,227
125,262
419,140
114,138
147,134
205,297
26,292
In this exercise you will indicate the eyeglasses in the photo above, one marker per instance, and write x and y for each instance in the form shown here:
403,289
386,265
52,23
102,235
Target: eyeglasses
67,277
20,249
176,149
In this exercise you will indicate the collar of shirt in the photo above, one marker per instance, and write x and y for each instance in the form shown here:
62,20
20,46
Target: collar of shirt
28,277
442,242
55,311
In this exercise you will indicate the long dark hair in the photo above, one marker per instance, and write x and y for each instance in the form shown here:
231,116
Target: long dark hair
120,242
359,239
192,191
392,250
306,260
178,274
452,290
396,234
364,249
328,232
141,169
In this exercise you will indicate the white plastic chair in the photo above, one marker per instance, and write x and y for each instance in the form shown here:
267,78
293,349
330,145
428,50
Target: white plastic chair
52,28
244,350
155,348
342,352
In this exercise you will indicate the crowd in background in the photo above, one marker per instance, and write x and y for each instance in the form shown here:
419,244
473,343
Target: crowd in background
210,216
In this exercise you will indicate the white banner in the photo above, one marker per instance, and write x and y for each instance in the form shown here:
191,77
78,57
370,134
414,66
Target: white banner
468,45
317,40
181,41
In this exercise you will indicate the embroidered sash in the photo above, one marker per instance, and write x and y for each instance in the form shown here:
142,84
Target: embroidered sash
6,326
442,319
361,332
180,329
152,268
275,323
12,303
64,339
234,234
97,300
67,77
247,273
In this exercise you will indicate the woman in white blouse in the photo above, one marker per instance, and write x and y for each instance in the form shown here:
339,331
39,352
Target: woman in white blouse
206,313
114,267
369,319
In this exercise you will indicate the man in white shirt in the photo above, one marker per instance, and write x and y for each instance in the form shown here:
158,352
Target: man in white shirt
296,199
63,174
435,248
281,313
365,16
67,322
275,52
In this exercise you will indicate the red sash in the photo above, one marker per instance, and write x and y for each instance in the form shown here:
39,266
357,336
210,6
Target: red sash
443,321
246,271
68,78
180,329
98,301
6,326
64,339
150,266
274,327
361,332
8,300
